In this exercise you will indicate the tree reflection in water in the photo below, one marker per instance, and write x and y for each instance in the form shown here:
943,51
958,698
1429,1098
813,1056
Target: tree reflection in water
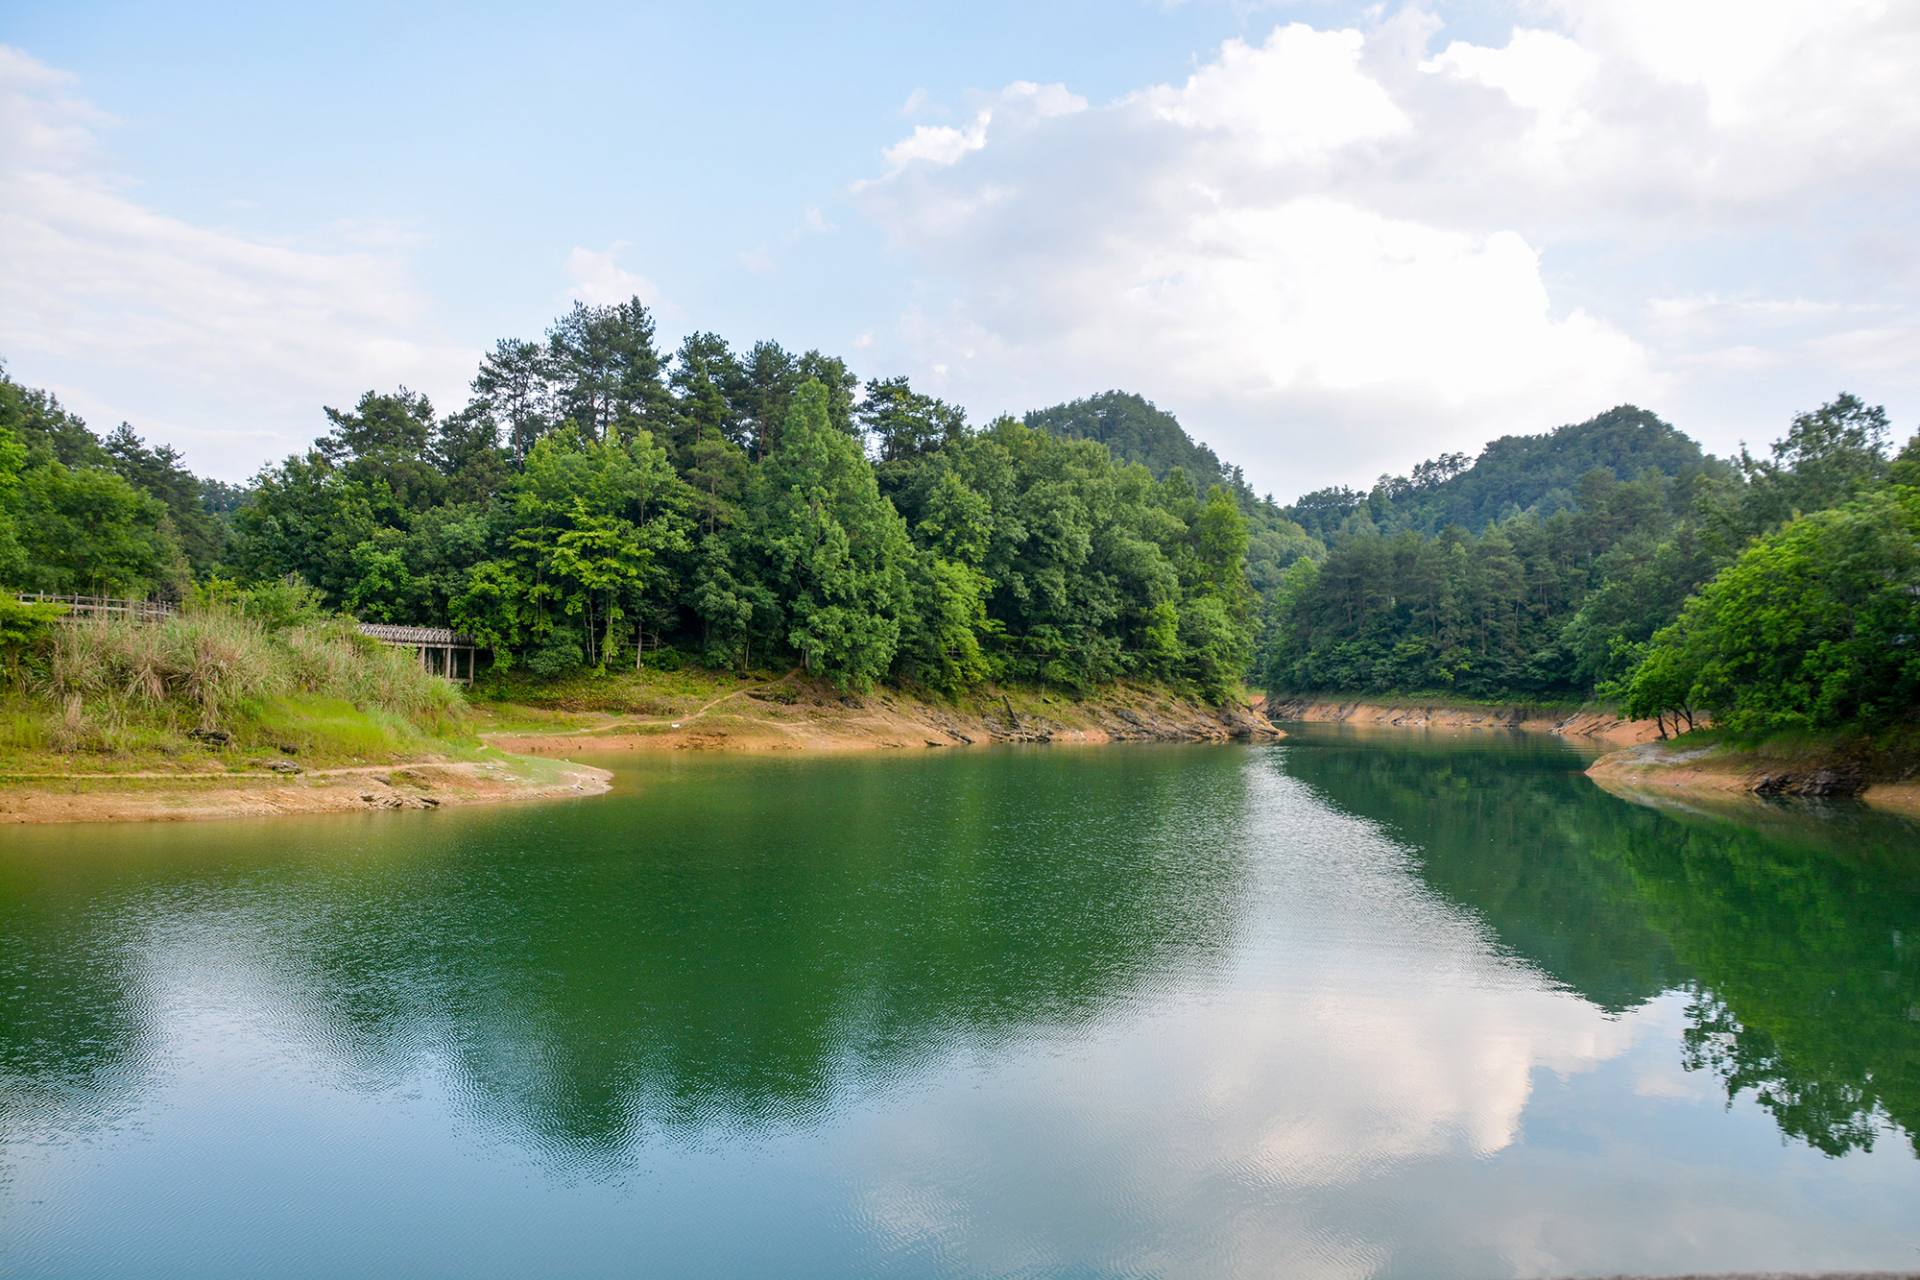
1790,926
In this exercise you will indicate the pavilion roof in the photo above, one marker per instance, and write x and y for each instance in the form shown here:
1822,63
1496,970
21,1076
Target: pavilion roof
392,633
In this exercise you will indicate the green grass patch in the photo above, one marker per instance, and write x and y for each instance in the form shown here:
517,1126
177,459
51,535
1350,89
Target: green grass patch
624,693
328,729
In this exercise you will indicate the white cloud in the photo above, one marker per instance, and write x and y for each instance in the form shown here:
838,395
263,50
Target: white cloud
1184,242
1300,96
1336,252
599,280
1839,71
1020,103
1806,338
1713,313
1660,109
938,143
1539,71
223,335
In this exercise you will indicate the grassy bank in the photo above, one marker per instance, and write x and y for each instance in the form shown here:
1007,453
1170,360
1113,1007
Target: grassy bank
214,689
218,712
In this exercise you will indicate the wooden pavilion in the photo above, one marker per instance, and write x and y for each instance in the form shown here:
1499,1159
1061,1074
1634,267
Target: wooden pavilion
443,651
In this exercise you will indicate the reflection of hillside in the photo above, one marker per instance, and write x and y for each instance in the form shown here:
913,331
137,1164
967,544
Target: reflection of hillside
1505,827
1795,928
71,1029
1802,932
732,946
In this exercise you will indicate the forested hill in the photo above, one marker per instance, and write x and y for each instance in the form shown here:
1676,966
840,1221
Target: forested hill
1134,429
1771,592
1513,474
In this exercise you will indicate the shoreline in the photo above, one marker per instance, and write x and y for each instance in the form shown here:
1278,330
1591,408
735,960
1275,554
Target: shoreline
783,716
1655,772
1642,766
187,797
1416,713
776,716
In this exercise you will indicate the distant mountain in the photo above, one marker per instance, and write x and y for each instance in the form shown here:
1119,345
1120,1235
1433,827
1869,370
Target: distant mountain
1539,473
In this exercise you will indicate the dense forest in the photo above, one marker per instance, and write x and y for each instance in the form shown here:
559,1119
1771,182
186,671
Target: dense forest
599,503
1612,559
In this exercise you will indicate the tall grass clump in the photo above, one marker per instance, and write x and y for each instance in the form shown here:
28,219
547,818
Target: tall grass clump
332,659
203,665
224,672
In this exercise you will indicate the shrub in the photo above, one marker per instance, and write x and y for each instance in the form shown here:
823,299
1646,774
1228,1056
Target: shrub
23,627
556,655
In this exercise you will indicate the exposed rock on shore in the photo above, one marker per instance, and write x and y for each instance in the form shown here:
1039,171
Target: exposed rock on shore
1676,768
800,718
1600,726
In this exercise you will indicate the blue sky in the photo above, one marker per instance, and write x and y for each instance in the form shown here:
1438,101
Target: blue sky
1333,238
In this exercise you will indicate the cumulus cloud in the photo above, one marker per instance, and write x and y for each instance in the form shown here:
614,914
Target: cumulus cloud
938,143
1019,103
1300,96
1334,252
211,336
599,280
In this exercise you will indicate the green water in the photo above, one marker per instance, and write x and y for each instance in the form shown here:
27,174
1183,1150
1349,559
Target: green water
1388,1006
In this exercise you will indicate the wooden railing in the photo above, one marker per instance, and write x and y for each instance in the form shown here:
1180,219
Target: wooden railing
103,606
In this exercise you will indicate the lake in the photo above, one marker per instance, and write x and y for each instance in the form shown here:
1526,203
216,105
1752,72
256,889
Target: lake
1394,1005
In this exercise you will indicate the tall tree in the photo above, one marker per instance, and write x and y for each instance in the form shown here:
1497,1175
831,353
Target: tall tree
382,446
1826,457
513,385
606,369
834,549
761,396
705,372
904,424
159,471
